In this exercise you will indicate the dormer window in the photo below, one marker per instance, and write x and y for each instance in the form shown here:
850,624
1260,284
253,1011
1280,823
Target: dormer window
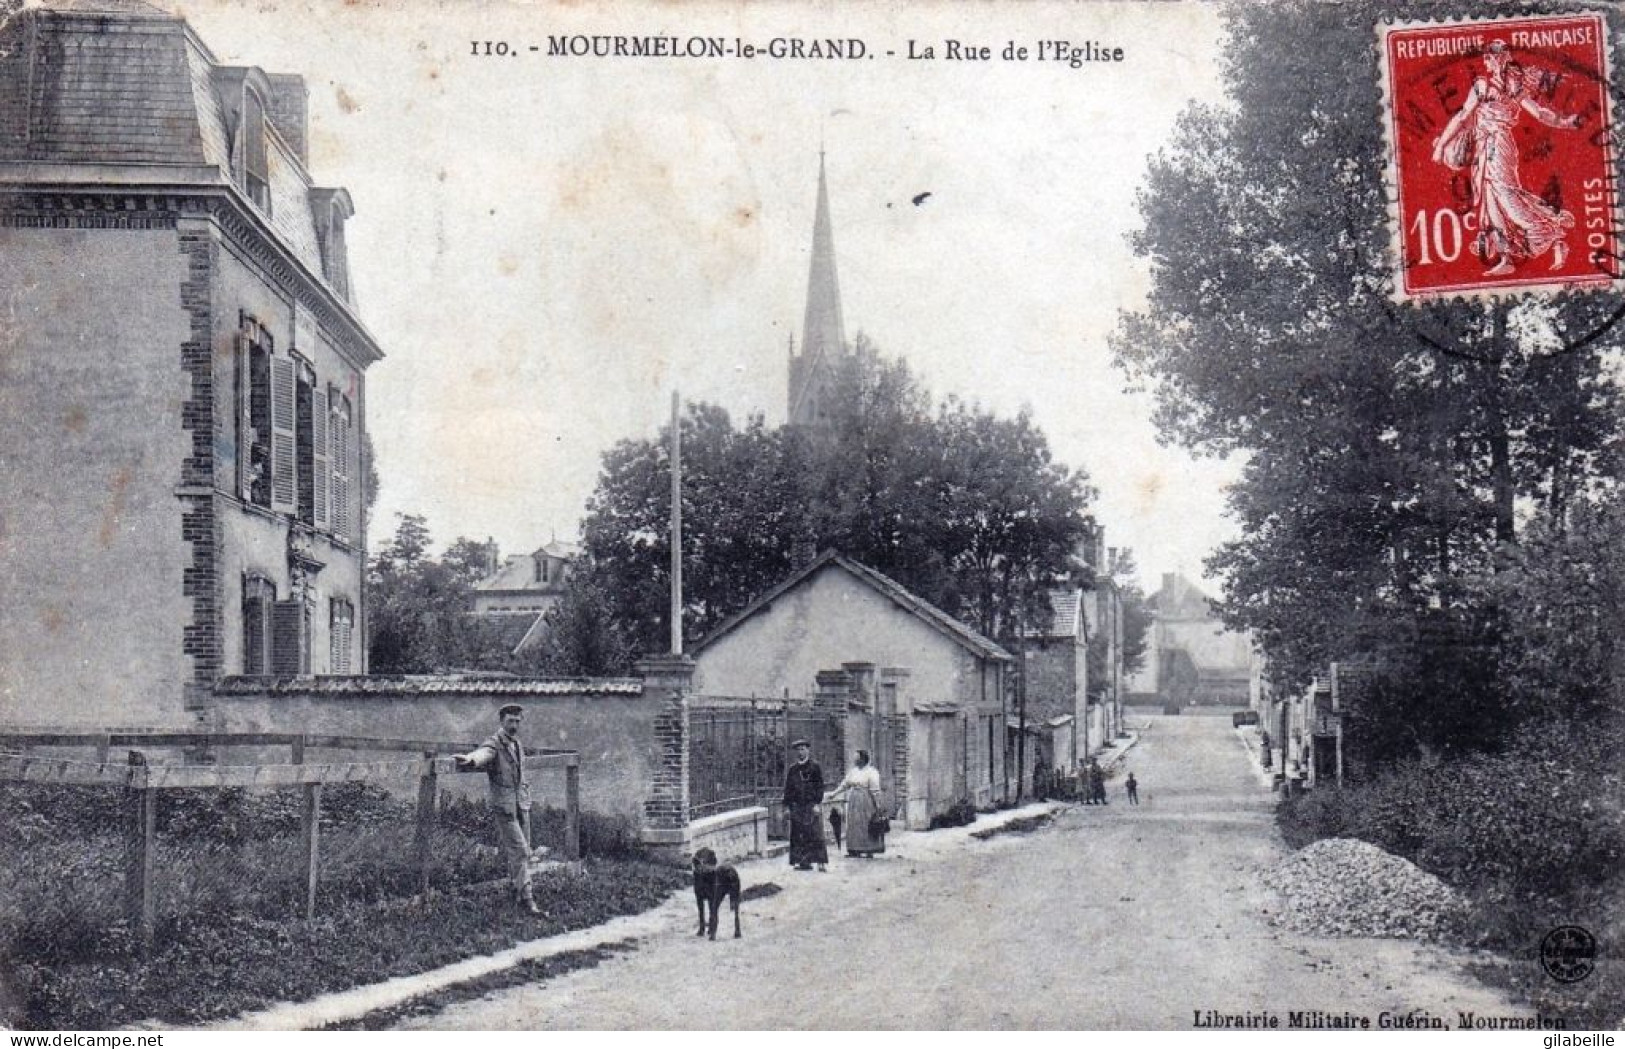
256,171
334,257
332,209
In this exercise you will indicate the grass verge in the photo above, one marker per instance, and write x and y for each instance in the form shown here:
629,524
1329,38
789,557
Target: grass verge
216,966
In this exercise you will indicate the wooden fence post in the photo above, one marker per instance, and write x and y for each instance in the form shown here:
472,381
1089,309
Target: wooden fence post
428,789
310,830
141,827
572,809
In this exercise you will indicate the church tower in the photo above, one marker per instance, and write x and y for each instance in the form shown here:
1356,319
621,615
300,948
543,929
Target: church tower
823,333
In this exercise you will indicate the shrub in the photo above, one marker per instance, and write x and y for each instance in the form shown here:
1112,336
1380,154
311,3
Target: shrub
961,814
1530,831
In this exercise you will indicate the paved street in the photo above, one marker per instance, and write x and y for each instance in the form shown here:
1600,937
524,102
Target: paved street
1118,917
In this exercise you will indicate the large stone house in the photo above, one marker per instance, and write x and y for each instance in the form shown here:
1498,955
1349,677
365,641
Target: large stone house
1191,657
183,402
938,685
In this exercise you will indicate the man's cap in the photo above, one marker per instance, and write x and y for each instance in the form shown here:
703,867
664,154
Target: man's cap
511,708
801,743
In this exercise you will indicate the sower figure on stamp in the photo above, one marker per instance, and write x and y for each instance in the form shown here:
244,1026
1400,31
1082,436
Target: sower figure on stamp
502,757
803,791
1513,223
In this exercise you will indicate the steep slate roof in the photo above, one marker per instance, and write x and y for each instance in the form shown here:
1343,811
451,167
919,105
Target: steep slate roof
518,571
918,607
94,88
122,83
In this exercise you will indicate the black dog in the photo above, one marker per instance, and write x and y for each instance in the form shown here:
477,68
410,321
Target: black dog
713,883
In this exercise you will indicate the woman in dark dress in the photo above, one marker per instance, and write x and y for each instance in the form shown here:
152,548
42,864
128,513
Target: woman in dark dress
803,791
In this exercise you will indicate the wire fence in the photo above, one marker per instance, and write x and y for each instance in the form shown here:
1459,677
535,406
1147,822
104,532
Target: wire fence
120,839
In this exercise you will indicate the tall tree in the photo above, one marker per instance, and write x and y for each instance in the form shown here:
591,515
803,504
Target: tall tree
583,638
1388,446
418,606
965,508
743,515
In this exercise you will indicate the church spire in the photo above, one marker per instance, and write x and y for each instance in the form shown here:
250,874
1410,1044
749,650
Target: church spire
823,332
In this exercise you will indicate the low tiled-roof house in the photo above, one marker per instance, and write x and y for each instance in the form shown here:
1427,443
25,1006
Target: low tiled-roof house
935,683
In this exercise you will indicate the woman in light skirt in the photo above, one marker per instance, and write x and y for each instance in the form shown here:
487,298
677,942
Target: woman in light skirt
863,803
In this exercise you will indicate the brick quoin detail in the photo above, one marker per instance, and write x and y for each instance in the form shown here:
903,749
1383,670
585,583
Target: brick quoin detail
667,805
200,525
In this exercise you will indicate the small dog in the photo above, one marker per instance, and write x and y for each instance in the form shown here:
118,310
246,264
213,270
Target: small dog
835,821
714,882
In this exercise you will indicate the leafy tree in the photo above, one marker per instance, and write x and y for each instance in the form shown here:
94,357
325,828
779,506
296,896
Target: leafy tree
1388,447
1563,655
1123,574
583,638
417,618
744,513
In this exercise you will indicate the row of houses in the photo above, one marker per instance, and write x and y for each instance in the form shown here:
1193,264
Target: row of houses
1301,733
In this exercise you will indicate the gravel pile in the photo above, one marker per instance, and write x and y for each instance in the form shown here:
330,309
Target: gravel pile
1343,887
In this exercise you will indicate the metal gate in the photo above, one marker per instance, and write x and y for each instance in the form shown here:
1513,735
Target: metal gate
739,750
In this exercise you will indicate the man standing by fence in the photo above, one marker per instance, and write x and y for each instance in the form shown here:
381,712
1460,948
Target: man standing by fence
502,757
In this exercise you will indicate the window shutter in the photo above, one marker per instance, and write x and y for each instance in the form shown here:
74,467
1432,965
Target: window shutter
245,420
341,475
319,422
343,614
254,609
288,657
284,479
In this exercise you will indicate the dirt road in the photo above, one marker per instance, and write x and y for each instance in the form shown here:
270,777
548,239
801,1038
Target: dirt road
1114,917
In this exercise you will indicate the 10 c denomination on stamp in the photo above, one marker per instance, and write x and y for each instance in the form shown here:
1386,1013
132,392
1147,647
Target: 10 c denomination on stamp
1500,156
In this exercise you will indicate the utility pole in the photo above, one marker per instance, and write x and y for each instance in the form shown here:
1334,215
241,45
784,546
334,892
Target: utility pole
676,528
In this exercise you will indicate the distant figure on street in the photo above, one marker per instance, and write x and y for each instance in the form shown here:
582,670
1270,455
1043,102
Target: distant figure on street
502,757
1040,777
1132,785
1097,784
803,790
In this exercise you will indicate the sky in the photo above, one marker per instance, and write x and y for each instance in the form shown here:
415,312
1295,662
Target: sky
546,246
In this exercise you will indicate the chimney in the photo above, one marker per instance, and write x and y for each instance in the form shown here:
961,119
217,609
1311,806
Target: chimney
289,105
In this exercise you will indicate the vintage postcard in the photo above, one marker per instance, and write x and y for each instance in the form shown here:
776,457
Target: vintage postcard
613,515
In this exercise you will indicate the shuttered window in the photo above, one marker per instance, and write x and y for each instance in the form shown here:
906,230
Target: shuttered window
305,444
341,636
341,434
258,597
253,389
320,472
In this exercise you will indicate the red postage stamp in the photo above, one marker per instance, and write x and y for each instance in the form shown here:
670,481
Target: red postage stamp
1500,156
